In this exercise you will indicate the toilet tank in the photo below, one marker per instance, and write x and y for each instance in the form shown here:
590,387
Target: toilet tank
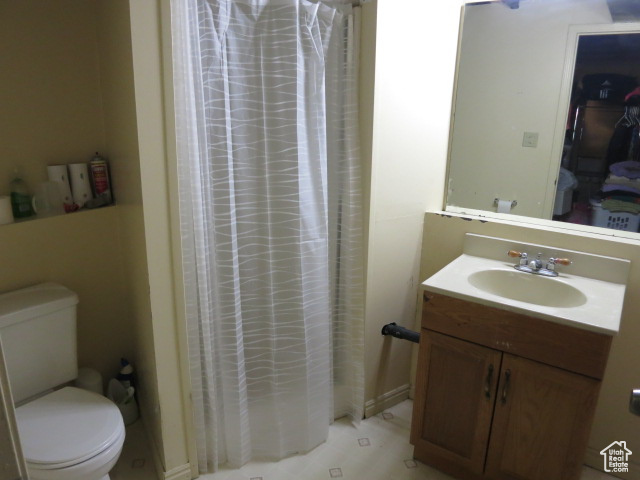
38,334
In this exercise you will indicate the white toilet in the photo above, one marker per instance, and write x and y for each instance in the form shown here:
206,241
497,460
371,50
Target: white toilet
66,433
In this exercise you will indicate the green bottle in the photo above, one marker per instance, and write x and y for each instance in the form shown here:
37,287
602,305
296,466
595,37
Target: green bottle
20,198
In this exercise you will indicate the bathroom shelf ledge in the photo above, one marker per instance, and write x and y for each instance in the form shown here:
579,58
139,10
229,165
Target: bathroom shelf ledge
56,221
21,221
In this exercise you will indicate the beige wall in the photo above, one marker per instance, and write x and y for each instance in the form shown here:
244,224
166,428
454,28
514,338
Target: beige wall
120,120
509,82
80,251
52,112
366,99
147,43
49,87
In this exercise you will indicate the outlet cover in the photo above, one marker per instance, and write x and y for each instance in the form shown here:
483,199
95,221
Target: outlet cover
530,139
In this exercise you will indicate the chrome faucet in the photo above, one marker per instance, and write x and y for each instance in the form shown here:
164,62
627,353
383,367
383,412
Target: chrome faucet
535,266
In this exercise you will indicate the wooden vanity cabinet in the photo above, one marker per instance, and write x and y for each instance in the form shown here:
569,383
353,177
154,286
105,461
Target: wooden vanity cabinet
453,408
501,395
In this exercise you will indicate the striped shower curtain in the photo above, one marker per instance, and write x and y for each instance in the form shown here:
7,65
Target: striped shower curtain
269,180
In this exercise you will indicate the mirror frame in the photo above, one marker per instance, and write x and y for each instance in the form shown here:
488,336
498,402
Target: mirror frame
574,32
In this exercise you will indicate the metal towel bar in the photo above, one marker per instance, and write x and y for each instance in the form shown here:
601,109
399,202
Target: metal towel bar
400,332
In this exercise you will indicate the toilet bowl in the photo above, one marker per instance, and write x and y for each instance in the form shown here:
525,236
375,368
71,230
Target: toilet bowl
70,434
66,433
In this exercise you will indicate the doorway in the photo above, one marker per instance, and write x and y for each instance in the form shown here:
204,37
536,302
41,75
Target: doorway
600,133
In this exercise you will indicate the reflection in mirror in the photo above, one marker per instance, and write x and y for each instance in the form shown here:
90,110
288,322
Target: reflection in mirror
546,113
599,182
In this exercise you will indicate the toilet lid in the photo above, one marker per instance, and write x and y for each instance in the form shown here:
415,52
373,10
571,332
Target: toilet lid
67,427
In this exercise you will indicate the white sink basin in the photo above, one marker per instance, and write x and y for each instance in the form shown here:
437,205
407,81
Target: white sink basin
525,287
588,294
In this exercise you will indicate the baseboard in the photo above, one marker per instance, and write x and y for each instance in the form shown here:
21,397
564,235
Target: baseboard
155,455
386,400
182,472
594,460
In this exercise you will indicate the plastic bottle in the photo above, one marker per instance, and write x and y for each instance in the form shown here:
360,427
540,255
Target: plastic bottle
126,373
20,198
100,179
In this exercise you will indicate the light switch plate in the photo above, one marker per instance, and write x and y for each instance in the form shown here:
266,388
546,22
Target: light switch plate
530,139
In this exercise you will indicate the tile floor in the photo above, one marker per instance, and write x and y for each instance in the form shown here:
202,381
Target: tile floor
136,461
377,449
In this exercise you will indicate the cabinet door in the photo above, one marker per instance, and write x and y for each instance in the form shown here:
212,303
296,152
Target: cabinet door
541,422
455,391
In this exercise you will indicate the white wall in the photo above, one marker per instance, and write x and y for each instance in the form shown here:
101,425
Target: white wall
174,414
415,55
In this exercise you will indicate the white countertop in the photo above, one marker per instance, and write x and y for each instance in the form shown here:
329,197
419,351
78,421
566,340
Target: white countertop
600,312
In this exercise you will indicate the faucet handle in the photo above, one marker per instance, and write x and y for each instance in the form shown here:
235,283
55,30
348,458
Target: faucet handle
522,255
562,261
559,261
552,262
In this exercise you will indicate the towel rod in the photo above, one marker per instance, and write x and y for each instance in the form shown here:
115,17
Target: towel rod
400,332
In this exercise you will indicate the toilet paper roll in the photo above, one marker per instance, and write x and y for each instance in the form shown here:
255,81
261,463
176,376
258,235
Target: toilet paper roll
6,214
80,186
60,175
504,206
89,379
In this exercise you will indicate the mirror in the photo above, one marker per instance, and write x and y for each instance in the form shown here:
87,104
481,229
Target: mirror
540,88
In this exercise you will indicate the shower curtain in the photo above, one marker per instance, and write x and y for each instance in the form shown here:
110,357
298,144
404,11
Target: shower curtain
270,212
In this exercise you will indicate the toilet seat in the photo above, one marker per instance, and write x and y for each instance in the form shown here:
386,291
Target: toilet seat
68,427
